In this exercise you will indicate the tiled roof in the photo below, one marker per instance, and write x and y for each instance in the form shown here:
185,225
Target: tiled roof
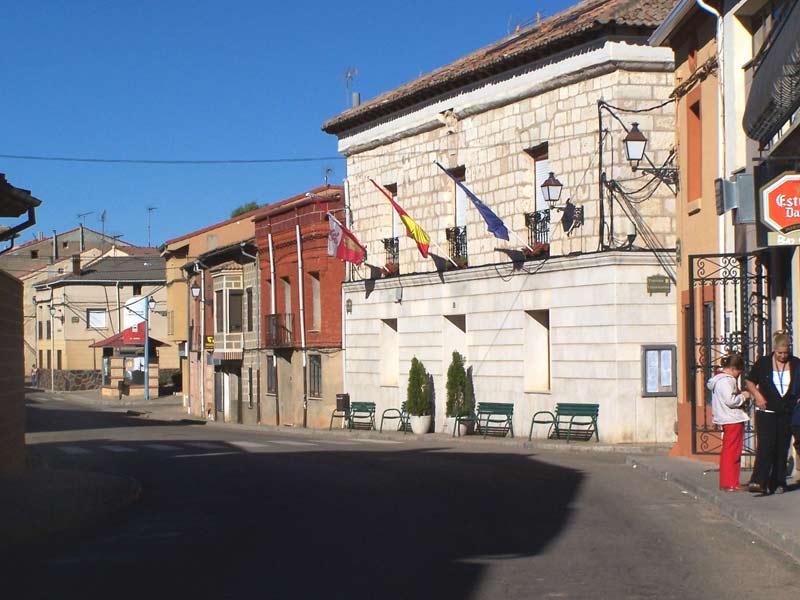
586,20
133,269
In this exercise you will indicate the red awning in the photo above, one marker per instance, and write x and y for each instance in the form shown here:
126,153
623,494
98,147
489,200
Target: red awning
132,336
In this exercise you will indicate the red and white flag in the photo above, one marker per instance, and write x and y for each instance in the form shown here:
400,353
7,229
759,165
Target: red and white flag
343,244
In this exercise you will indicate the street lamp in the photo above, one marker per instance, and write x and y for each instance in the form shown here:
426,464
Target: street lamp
195,291
573,215
635,143
148,306
52,349
551,189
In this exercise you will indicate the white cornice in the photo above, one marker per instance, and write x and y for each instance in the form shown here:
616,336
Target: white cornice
532,80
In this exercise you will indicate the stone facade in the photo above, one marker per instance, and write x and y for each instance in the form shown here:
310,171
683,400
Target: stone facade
70,381
569,329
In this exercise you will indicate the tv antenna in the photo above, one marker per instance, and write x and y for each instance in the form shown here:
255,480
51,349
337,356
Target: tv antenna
102,230
350,73
82,216
326,172
150,210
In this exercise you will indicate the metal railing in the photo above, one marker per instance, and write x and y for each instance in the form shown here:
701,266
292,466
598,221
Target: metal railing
457,237
278,330
538,224
392,247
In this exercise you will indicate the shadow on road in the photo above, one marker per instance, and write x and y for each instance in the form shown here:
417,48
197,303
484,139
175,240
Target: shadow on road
419,523
43,417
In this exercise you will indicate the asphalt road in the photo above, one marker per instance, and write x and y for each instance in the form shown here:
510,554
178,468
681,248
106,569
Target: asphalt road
229,513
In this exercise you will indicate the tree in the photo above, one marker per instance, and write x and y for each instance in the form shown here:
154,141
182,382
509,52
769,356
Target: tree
418,392
459,388
244,208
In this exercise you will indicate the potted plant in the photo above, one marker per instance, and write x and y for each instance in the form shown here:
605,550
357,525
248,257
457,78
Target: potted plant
418,403
538,250
460,399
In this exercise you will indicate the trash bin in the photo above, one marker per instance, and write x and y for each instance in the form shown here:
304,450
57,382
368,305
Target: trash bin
342,401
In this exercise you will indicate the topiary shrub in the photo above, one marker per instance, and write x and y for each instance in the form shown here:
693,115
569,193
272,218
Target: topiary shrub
418,391
459,388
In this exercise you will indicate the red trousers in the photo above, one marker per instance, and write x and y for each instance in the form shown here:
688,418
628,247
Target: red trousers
730,460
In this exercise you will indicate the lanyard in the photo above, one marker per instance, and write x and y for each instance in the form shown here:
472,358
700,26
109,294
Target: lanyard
780,376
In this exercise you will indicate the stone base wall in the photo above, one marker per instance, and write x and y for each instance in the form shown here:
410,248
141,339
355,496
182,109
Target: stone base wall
70,381
12,382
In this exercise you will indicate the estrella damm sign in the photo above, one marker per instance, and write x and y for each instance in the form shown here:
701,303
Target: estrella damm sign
780,203
209,342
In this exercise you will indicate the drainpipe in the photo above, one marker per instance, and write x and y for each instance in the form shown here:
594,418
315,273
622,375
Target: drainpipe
258,321
55,247
202,351
721,170
82,240
302,322
272,312
119,310
188,391
346,278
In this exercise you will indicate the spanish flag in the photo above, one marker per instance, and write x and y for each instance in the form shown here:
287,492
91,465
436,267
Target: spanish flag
414,231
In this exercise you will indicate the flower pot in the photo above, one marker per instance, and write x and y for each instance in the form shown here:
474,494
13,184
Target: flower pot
420,424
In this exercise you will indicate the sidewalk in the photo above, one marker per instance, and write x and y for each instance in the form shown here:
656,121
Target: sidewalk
775,519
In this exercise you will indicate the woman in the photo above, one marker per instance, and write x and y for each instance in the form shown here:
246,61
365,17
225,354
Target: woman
727,409
773,382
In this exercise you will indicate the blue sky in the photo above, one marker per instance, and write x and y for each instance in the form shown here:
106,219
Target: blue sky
181,80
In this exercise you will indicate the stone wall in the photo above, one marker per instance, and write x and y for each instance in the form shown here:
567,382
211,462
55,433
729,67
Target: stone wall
71,381
12,376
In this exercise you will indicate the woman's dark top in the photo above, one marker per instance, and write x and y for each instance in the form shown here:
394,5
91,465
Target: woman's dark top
761,375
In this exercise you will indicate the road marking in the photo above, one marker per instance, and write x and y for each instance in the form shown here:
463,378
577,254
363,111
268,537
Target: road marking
204,454
75,450
117,449
162,447
243,445
207,445
370,441
289,443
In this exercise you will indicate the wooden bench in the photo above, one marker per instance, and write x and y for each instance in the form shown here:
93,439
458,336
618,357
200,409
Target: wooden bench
397,413
360,415
490,417
570,421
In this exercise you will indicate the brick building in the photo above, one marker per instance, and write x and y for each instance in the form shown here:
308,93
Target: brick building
301,304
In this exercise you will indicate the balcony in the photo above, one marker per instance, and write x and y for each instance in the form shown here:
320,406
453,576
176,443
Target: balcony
538,224
457,238
278,331
392,247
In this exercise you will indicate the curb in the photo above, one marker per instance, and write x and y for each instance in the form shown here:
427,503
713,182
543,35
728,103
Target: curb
759,527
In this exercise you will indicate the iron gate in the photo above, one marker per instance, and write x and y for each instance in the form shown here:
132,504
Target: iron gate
729,311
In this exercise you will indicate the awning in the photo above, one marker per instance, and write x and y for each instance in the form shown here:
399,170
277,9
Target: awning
775,90
132,336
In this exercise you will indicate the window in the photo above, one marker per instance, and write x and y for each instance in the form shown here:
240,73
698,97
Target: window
249,309
65,244
137,290
541,171
235,311
171,322
95,318
395,218
459,196
219,312
287,300
272,376
58,359
389,357
48,332
49,364
694,132
40,364
211,242
315,375
249,387
659,376
34,254
316,305
41,330
536,351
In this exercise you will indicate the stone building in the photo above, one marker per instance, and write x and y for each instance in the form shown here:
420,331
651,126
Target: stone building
574,322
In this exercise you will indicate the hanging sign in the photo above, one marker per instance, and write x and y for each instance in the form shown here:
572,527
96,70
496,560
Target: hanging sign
780,209
209,342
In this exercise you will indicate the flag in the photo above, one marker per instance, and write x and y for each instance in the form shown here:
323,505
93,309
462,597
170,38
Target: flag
493,222
414,231
343,244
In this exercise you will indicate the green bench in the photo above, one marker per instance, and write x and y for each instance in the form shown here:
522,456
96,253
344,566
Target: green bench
570,421
397,413
490,417
360,415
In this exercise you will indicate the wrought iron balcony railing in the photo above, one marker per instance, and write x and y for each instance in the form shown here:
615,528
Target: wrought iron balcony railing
392,247
278,330
457,236
538,224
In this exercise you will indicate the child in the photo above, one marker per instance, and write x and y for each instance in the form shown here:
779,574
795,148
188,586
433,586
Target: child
727,410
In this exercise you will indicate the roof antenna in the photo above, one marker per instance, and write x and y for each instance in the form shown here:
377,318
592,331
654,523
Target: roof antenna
328,171
150,210
102,230
350,73
82,216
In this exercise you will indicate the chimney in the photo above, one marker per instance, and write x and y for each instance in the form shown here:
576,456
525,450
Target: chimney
83,240
76,264
55,245
356,99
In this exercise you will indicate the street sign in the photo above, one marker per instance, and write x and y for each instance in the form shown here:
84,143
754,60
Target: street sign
658,284
209,343
780,203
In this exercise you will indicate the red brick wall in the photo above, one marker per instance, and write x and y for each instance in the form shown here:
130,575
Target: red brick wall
12,383
314,243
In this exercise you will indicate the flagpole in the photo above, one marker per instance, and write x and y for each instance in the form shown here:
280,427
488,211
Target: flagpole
450,258
520,240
